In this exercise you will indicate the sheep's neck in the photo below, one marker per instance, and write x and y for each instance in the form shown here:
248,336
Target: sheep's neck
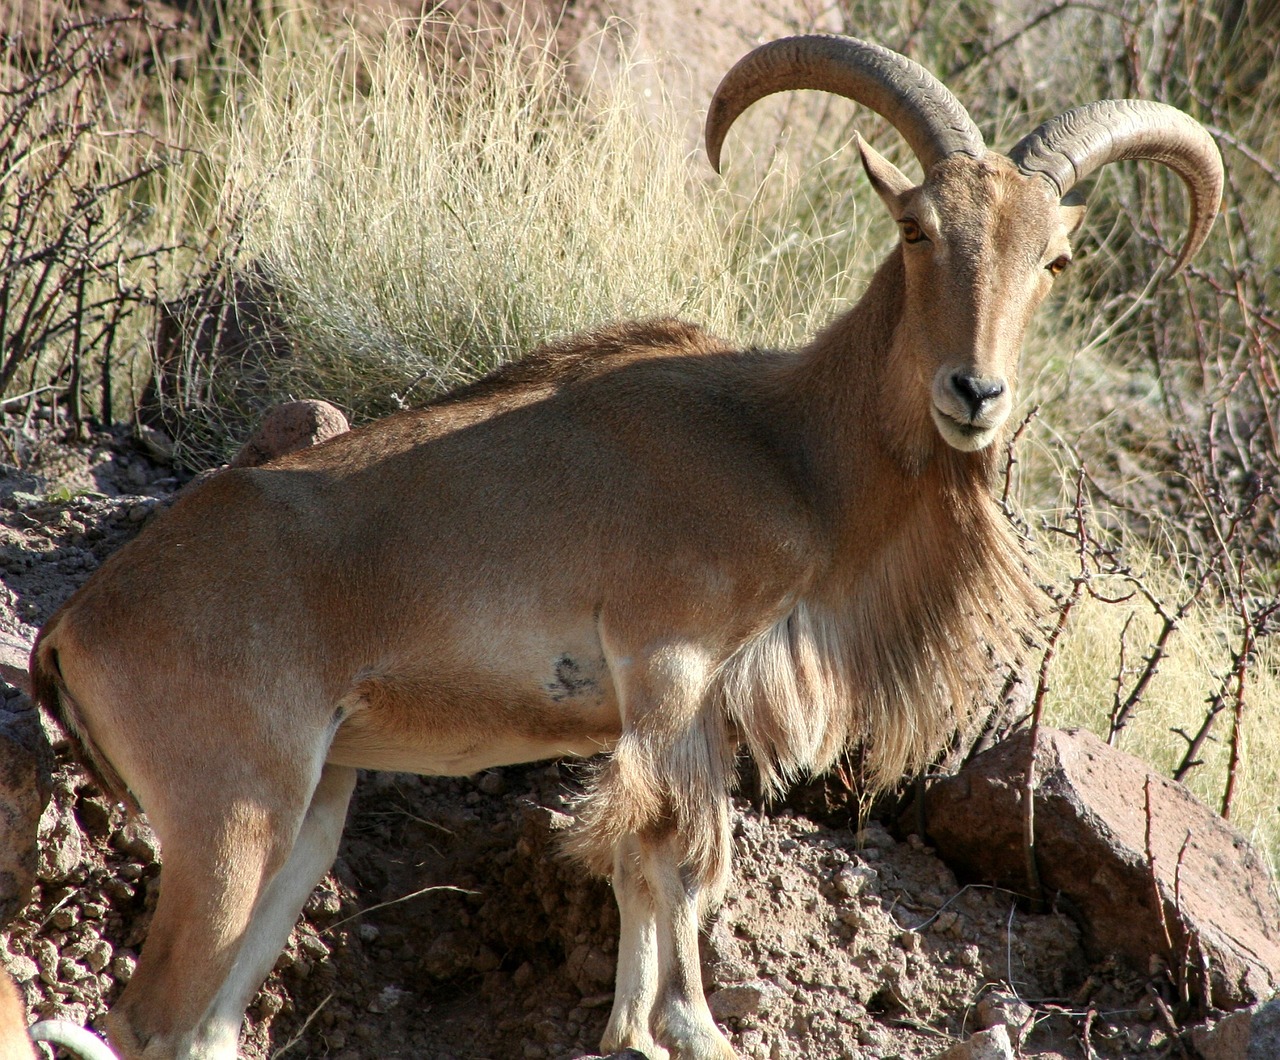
875,457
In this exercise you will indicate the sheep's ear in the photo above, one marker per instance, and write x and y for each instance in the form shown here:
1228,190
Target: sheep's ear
1073,208
888,180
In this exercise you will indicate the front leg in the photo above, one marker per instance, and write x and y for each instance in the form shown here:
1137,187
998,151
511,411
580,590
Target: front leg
657,816
681,1019
636,985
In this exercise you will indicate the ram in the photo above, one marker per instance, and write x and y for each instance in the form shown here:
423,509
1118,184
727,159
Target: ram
641,541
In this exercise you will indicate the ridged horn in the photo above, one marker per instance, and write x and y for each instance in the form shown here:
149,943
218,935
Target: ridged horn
917,104
72,1037
1066,149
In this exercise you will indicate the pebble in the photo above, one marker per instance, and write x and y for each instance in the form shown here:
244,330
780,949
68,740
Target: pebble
737,1002
123,965
852,879
99,955
493,784
21,967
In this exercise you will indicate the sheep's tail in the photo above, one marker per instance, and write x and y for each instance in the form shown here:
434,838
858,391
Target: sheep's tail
49,690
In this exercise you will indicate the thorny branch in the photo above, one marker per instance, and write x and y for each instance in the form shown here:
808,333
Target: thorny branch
63,245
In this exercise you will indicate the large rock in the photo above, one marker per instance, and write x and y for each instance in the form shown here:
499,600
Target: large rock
1091,831
1250,1034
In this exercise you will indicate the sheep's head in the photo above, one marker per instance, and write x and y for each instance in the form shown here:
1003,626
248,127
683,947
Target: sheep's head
983,236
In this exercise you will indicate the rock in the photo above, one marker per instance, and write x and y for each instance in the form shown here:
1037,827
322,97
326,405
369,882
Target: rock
1091,840
14,655
589,968
24,793
1250,1034
136,840
1003,1010
734,1002
493,783
21,967
289,427
992,1044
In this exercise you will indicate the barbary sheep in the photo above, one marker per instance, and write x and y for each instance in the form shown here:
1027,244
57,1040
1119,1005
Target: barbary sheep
640,541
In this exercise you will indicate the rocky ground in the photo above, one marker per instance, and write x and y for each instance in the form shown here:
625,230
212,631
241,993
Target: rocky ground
450,927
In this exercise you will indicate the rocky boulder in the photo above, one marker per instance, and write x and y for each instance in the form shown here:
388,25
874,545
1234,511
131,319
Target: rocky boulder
1250,1034
288,427
1176,883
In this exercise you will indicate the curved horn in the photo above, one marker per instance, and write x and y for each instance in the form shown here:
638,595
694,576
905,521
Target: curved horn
917,104
72,1037
1066,149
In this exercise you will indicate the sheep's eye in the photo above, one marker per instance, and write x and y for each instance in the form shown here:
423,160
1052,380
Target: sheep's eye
1058,264
911,230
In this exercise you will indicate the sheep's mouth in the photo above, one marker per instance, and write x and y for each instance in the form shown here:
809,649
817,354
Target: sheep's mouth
965,435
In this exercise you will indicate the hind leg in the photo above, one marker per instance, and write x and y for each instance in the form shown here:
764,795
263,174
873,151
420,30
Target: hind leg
280,904
235,874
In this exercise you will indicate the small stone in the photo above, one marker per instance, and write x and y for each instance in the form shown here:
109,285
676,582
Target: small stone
99,955
123,966
64,919
324,903
70,971
136,840
268,1005
944,922
852,879
1003,1010
93,910
493,784
737,1002
875,837
388,998
289,427
313,946
21,967
990,1044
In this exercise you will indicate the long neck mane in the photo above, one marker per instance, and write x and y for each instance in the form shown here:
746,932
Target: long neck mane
924,583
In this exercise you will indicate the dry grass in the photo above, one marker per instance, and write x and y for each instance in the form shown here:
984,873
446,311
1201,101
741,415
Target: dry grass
422,228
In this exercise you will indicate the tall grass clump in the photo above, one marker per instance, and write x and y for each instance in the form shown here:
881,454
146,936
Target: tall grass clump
423,221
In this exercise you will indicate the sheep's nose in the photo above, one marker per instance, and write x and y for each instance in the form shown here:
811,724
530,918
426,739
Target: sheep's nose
975,391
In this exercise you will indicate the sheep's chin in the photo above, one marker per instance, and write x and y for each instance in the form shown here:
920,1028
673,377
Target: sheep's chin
966,437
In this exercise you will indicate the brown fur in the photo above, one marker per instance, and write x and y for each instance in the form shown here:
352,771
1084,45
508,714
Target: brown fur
14,1043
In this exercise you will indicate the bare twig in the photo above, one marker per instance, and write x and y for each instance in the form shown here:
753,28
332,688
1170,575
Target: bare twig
396,901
